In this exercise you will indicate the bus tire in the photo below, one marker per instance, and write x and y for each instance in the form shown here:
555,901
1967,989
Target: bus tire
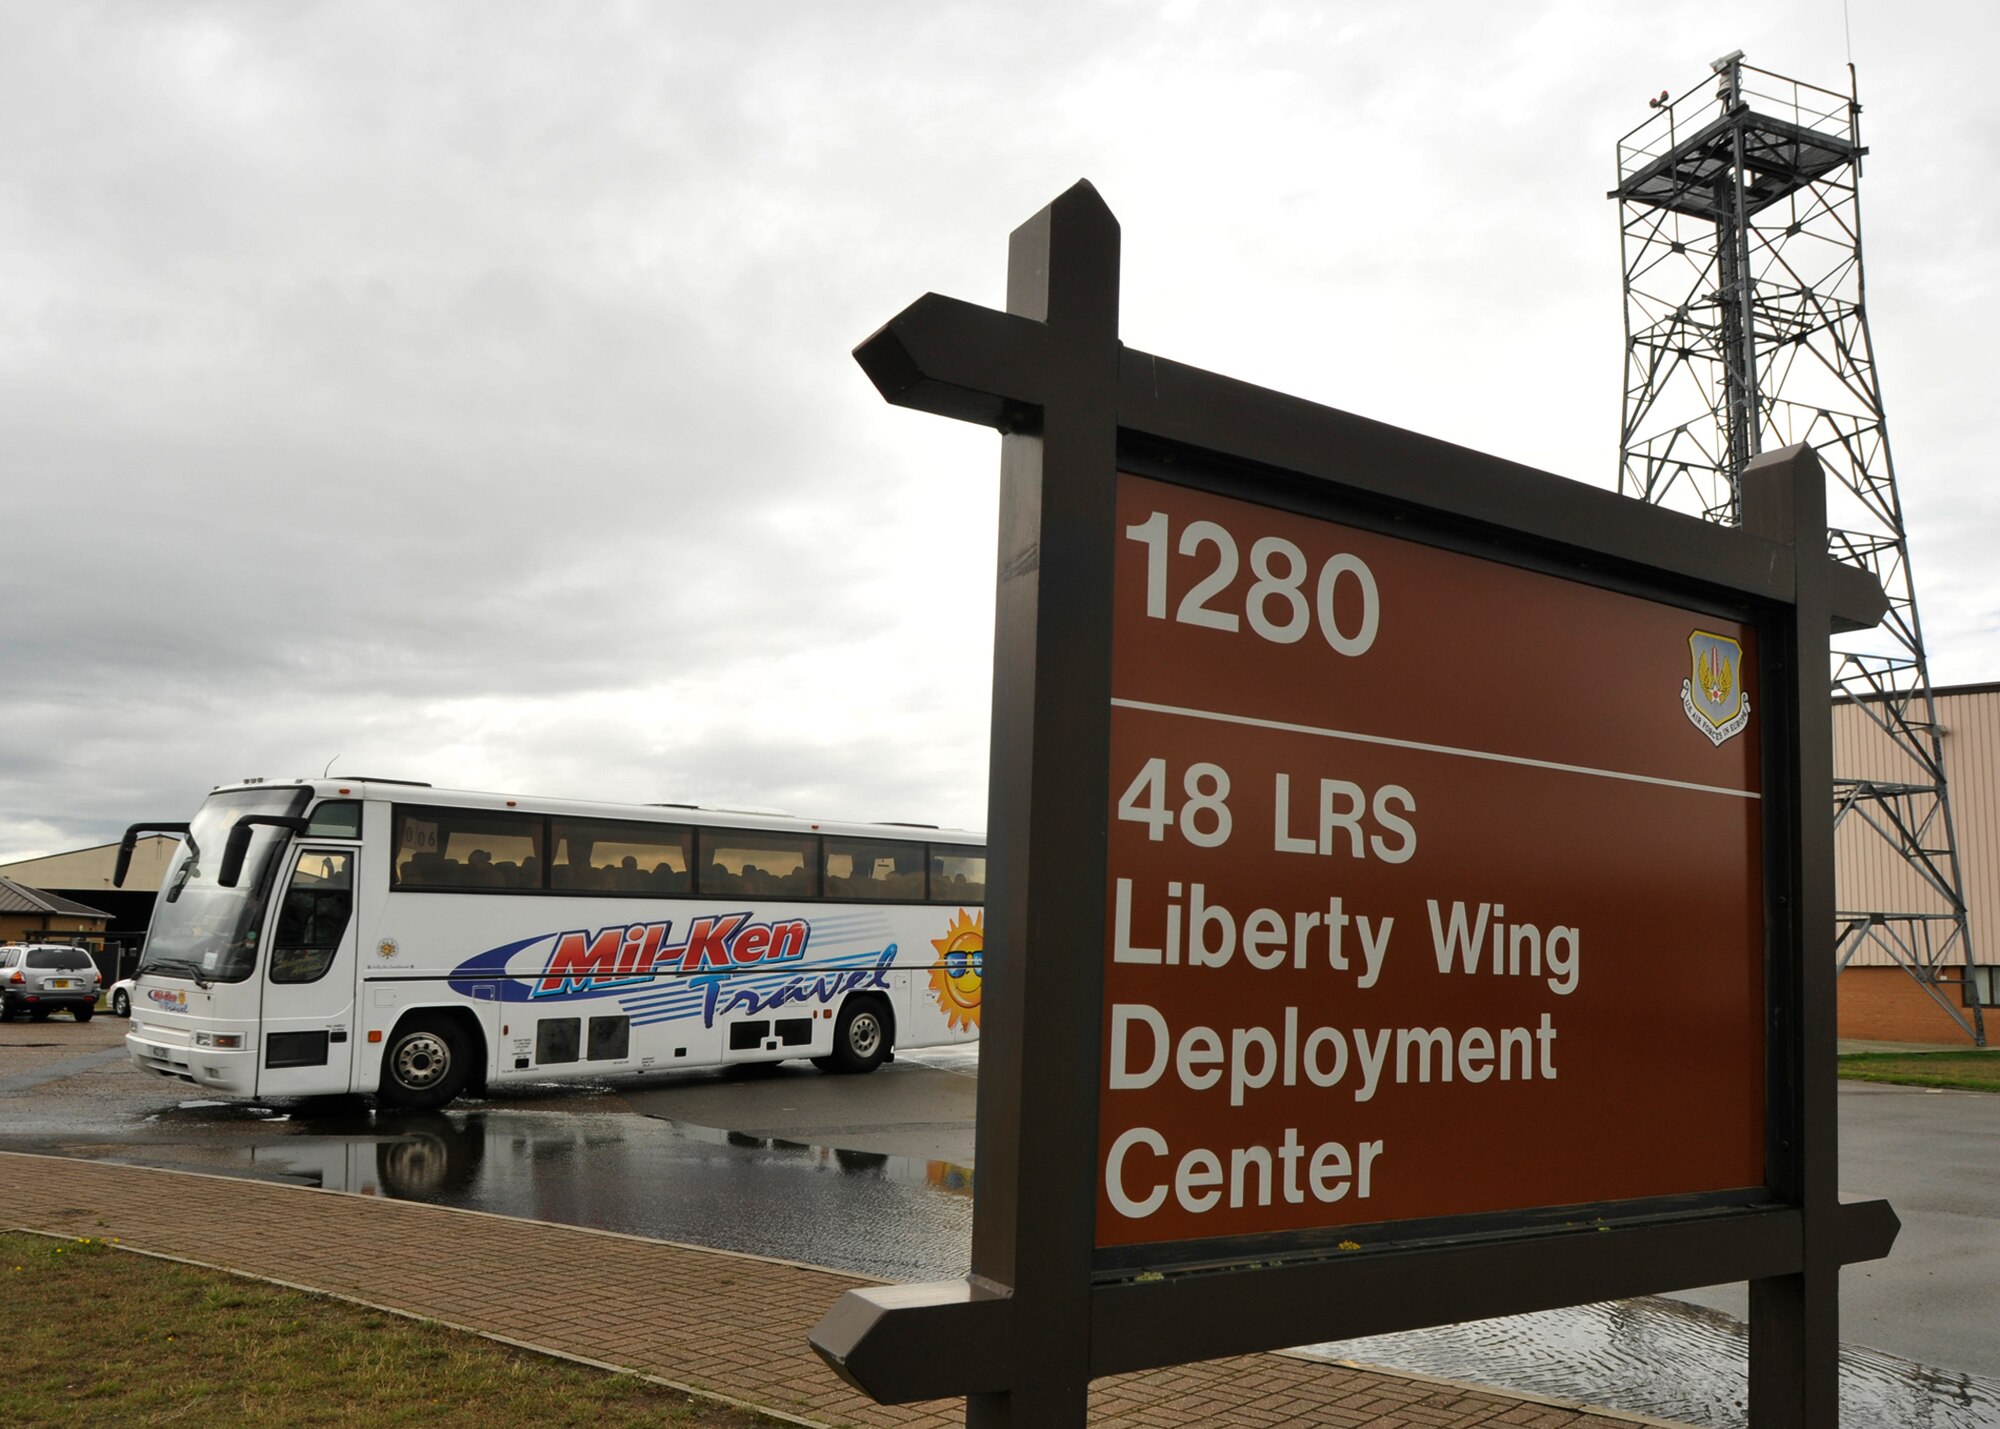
427,1064
861,1036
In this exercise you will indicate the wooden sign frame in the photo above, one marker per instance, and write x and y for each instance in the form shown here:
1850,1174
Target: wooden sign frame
1046,1308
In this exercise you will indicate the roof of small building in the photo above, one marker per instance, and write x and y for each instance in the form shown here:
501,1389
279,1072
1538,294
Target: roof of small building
20,898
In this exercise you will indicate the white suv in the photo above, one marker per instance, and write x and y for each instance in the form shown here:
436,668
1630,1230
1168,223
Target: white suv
40,978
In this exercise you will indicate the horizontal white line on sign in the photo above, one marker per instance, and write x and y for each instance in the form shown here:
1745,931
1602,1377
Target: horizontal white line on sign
1383,739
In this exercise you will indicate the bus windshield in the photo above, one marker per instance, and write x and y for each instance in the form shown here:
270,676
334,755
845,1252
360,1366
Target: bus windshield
200,929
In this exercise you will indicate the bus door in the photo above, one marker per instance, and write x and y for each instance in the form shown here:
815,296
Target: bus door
307,1047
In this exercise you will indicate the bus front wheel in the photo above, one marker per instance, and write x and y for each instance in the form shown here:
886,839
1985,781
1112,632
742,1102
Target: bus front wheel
860,1037
427,1064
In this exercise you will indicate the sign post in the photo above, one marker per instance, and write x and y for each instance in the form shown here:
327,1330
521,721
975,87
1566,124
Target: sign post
1409,881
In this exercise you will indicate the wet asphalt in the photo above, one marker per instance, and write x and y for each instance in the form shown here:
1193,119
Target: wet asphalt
872,1174
861,1173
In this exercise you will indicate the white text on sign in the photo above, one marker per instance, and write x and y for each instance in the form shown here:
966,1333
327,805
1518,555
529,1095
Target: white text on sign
1275,606
1373,823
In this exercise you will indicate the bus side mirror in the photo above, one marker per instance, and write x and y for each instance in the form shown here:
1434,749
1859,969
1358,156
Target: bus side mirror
233,853
131,840
238,846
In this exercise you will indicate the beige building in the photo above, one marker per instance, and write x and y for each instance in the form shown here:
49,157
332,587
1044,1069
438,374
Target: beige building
91,868
33,915
1878,999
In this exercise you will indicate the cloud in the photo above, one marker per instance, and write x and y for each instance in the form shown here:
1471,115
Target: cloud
464,390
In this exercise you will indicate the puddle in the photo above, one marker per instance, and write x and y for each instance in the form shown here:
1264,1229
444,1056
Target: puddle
897,1217
1667,1359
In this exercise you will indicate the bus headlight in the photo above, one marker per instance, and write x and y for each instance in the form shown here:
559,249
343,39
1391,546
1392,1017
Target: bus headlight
218,1039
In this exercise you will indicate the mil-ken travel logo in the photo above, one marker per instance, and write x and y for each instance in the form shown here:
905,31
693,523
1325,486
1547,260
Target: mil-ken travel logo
1713,693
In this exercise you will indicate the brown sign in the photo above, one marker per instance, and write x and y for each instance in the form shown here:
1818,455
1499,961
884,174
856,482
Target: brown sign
1434,888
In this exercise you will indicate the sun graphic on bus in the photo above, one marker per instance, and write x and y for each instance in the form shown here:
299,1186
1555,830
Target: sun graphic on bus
955,979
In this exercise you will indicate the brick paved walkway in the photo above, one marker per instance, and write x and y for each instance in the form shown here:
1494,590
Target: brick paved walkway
726,1325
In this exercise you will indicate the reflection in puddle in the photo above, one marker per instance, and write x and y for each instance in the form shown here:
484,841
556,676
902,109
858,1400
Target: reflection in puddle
409,1158
943,1176
897,1217
1667,1358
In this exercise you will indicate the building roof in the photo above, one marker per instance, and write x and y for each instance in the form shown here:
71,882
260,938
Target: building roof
1981,687
19,898
85,871
111,847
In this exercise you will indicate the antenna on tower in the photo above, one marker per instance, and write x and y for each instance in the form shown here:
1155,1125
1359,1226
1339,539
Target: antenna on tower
1745,327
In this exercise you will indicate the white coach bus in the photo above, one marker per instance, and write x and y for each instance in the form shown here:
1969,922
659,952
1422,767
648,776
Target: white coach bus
385,937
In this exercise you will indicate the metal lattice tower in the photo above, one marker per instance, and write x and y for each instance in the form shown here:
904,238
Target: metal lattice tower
1746,328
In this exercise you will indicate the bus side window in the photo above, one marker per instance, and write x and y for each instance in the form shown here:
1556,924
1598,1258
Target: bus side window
874,871
958,875
313,916
747,863
614,856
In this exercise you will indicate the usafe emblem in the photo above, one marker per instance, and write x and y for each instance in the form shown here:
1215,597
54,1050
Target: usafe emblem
1713,694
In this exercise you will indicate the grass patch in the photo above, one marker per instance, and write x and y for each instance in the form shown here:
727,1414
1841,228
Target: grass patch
1972,1071
96,1336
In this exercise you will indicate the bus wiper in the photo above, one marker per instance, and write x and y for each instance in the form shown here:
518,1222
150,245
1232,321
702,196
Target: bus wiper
193,969
189,866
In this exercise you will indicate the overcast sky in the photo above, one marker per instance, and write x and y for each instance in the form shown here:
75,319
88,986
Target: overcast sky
462,392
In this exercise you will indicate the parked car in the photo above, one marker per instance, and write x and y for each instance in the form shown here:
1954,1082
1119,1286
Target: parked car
119,999
40,978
